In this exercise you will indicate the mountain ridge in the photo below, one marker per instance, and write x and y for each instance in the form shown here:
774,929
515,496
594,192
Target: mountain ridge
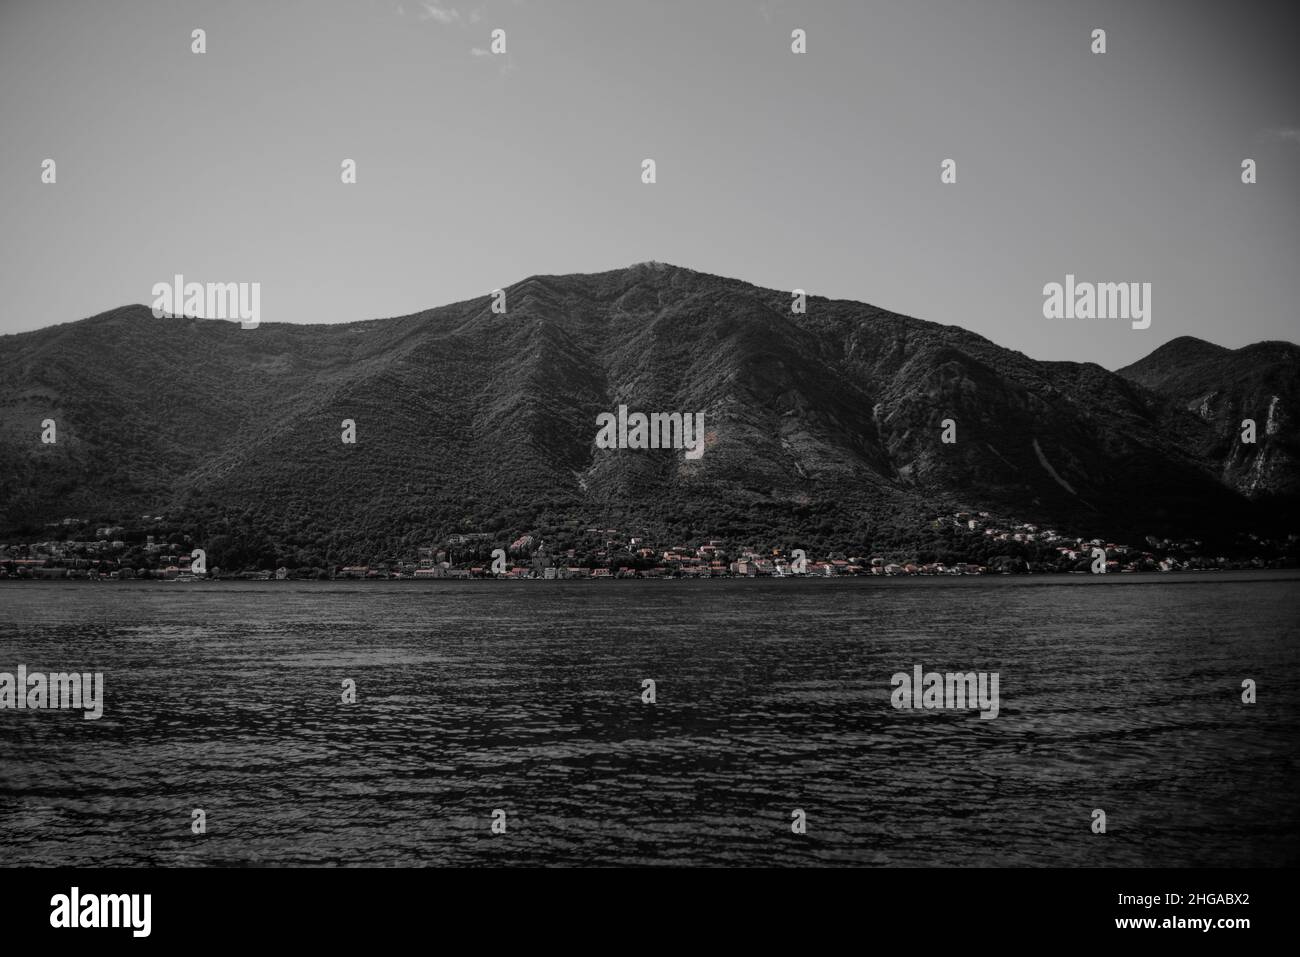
1178,342
824,426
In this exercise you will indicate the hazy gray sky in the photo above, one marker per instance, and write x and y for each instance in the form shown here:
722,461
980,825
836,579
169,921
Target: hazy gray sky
818,171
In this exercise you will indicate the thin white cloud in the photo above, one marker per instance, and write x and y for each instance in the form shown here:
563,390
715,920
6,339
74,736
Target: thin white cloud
441,14
1284,134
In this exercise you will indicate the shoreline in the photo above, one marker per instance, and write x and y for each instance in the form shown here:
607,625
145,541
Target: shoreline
1185,576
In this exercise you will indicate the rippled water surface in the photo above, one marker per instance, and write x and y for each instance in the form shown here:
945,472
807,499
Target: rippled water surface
1121,693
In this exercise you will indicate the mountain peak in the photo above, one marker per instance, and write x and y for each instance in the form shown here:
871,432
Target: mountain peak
1189,346
1175,355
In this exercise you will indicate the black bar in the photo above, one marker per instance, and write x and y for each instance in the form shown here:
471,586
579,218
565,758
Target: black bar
915,909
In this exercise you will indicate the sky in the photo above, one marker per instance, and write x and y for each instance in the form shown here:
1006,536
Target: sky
818,170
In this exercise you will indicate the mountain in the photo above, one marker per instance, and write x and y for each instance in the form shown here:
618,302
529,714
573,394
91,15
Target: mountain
1223,388
823,429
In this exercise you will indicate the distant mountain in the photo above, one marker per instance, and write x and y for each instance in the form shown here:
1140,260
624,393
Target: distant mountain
821,428
1224,387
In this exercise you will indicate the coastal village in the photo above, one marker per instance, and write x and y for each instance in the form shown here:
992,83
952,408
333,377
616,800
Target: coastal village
115,553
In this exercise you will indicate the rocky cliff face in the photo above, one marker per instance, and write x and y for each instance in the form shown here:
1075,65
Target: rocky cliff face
1224,388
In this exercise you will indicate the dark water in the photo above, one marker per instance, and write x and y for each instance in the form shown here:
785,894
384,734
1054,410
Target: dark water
1120,693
